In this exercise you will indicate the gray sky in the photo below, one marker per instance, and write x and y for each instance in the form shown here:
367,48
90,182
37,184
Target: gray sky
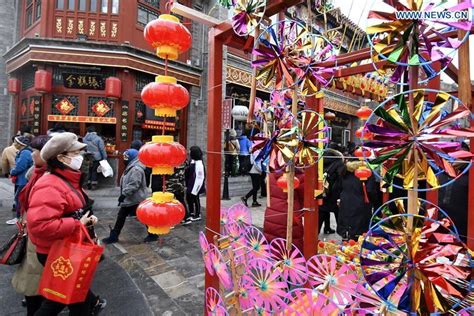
358,10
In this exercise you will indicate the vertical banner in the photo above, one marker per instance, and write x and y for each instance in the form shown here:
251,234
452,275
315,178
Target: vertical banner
226,113
35,101
124,122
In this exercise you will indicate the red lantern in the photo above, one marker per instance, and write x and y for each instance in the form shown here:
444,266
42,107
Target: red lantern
160,212
43,81
165,96
364,112
367,135
162,154
113,88
361,152
329,116
282,182
13,86
168,36
363,173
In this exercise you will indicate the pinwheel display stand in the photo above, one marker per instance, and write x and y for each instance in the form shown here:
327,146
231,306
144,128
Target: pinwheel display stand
404,233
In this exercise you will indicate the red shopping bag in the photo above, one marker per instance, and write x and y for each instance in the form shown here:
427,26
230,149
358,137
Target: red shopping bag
70,268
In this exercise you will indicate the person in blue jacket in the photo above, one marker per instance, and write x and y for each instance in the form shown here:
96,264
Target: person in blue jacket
95,146
244,155
23,162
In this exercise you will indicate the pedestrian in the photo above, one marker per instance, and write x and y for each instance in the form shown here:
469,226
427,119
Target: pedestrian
8,162
276,214
95,146
137,144
28,274
195,175
232,149
23,162
255,175
244,155
356,202
55,210
133,191
333,167
25,130
176,184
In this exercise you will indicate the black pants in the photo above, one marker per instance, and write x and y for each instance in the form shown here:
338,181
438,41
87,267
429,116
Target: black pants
194,205
122,216
325,217
256,184
51,308
33,303
93,173
263,183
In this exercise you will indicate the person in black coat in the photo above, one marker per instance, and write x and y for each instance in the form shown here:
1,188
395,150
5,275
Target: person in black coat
355,208
195,176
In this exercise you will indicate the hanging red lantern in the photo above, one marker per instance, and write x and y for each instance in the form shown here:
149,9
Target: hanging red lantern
162,154
329,116
364,112
363,173
367,135
43,81
168,36
160,212
113,88
165,96
282,182
361,152
13,86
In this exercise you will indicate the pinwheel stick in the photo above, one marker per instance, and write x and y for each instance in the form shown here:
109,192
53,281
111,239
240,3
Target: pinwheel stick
236,292
253,85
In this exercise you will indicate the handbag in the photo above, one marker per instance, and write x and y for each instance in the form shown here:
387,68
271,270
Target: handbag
14,250
70,268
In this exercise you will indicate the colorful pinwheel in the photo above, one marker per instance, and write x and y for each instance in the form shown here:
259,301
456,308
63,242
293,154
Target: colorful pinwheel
410,40
309,302
264,286
240,214
238,243
291,263
366,303
257,243
416,264
424,208
220,266
206,255
311,139
214,304
280,150
224,216
247,14
275,49
433,133
332,278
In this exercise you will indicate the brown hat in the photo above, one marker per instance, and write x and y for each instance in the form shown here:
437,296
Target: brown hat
60,143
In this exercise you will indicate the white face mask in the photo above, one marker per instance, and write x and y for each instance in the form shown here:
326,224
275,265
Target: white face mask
76,162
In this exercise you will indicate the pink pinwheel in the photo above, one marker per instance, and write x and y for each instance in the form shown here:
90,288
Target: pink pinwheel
309,302
205,250
337,281
366,303
240,214
238,243
292,263
257,243
220,267
263,285
224,216
214,304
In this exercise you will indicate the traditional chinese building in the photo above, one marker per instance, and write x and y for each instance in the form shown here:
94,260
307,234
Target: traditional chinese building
84,62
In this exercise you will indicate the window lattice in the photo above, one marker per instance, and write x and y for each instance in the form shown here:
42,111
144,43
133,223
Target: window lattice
93,100
74,100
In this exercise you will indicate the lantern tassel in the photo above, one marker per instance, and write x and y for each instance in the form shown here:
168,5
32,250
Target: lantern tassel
366,197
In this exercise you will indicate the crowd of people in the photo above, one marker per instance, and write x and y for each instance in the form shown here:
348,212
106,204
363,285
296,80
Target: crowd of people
50,178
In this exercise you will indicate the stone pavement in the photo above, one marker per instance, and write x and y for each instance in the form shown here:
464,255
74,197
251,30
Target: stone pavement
161,278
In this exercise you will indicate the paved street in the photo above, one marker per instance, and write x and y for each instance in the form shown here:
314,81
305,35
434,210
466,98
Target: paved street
162,278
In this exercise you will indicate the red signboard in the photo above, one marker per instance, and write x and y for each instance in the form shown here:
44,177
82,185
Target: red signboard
226,116
150,124
82,119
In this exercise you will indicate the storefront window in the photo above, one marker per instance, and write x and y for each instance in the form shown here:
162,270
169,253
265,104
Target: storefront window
82,5
115,6
71,5
29,16
145,15
93,6
60,4
37,9
104,7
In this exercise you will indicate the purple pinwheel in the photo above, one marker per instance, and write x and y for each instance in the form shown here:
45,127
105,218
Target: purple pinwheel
291,262
214,303
247,14
220,266
205,250
240,214
257,243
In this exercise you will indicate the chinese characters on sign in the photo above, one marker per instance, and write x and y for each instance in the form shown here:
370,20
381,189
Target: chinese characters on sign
64,106
124,125
151,124
100,108
83,81
36,102
226,110
82,119
62,268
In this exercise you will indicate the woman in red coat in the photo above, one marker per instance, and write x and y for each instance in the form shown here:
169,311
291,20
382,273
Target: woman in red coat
274,225
55,210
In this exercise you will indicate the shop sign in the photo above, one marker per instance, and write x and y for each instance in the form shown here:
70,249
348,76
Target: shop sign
150,124
64,106
82,119
36,103
226,113
100,108
83,81
124,126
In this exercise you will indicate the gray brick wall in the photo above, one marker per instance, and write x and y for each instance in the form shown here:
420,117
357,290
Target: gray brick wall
7,110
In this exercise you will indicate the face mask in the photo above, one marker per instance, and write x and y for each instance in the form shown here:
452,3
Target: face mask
76,162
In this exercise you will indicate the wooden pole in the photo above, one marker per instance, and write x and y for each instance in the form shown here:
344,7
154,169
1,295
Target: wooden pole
253,84
289,178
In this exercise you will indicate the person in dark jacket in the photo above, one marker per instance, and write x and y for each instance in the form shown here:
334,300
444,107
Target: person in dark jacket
133,191
23,163
255,175
55,211
244,155
355,209
333,169
96,147
195,177
274,224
